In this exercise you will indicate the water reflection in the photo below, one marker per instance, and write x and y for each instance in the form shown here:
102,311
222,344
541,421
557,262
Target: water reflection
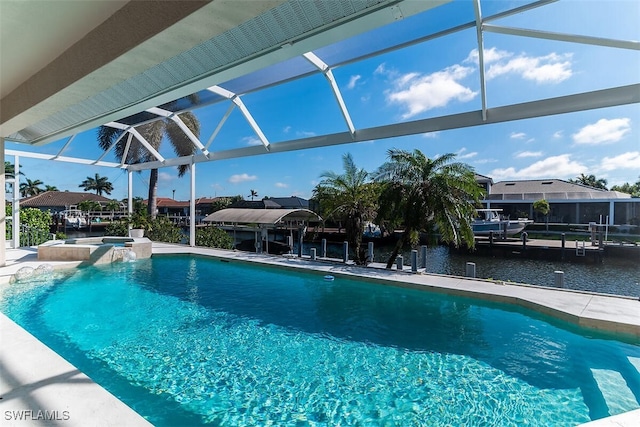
612,276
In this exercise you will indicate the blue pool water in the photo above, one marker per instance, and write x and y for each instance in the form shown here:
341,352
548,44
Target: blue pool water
197,341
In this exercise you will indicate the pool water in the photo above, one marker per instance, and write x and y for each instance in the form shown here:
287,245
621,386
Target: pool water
197,341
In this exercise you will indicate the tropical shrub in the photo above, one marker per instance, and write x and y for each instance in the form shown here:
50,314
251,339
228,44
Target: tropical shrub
117,228
162,229
35,218
213,237
35,226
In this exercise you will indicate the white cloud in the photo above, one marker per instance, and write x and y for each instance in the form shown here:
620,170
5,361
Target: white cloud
629,160
490,55
603,132
485,161
418,93
251,140
524,154
381,69
517,135
305,134
552,167
281,185
461,156
431,135
558,134
353,80
165,177
243,177
552,68
286,129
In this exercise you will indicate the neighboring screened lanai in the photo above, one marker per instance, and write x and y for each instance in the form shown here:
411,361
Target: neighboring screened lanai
120,64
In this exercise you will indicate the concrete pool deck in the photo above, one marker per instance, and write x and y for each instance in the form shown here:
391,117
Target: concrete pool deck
34,378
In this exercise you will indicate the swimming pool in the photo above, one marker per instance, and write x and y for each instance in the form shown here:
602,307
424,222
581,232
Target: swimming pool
194,341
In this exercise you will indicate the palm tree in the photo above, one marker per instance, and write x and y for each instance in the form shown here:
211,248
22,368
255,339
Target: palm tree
112,206
100,184
50,188
591,181
154,132
430,195
253,194
31,188
10,170
349,197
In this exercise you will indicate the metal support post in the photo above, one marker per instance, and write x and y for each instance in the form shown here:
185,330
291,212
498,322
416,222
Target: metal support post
471,270
414,261
345,252
559,279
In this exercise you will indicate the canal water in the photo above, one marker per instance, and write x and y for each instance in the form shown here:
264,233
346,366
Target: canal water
618,277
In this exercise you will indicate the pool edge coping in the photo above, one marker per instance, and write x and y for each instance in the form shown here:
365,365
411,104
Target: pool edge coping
37,379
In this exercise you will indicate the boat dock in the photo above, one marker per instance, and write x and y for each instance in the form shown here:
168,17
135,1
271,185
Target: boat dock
565,249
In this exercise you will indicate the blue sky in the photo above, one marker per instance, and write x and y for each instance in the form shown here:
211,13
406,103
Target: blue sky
439,77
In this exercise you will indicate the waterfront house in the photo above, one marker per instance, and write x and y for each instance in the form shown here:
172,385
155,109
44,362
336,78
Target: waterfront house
58,201
570,203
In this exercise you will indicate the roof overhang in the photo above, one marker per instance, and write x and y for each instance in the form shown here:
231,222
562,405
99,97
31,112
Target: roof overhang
144,54
130,57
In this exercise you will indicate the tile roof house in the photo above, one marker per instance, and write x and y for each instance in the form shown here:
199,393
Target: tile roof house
57,201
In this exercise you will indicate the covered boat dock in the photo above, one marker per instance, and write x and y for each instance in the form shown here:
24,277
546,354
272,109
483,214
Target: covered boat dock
263,220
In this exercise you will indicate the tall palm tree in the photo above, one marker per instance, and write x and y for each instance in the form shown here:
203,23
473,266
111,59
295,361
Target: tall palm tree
98,183
253,194
30,188
349,197
154,132
10,170
428,195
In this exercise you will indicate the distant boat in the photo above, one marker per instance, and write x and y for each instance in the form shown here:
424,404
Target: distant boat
490,220
371,230
74,218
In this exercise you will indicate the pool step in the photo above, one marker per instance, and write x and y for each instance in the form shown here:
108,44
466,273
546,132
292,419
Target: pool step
615,391
610,384
618,384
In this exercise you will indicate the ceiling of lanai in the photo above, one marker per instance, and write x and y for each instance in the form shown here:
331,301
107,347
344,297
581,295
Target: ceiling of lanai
70,66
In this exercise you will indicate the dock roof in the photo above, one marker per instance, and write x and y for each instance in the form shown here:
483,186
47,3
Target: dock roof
262,216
